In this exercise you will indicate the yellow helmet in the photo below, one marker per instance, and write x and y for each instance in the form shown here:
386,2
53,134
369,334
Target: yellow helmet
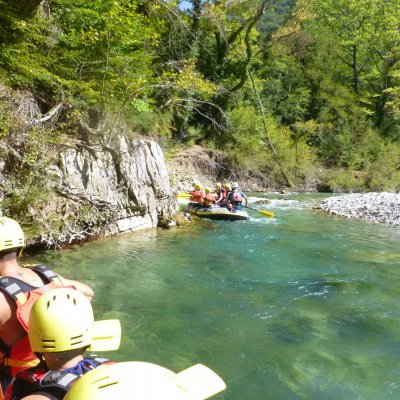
11,235
228,186
197,186
207,190
61,319
146,381
217,184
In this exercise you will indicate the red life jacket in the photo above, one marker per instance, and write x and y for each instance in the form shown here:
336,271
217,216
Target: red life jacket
19,356
223,194
197,196
40,379
208,200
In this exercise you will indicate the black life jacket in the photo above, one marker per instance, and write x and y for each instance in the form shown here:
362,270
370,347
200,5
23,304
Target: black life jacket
57,383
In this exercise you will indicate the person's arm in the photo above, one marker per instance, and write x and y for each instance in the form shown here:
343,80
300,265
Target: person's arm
82,287
5,311
245,199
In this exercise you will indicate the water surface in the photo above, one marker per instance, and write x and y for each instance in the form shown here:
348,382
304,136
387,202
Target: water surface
303,306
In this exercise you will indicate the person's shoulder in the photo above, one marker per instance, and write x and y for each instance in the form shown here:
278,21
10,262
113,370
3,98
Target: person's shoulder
44,395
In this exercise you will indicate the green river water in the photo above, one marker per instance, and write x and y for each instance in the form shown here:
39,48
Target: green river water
303,306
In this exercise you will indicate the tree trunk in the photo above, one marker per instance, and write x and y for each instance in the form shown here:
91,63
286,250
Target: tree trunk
22,8
270,144
356,76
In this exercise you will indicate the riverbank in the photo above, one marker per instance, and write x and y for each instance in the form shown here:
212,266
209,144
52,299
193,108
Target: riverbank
375,207
208,166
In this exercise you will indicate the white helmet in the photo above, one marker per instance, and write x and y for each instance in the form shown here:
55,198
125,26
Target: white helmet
235,185
11,235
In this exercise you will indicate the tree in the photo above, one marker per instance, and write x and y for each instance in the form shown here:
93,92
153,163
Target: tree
367,32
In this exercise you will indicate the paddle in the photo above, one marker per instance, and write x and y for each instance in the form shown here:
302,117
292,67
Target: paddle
183,194
200,382
106,335
265,213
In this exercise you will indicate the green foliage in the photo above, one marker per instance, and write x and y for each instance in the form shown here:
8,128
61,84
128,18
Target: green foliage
5,120
24,196
248,146
390,124
326,72
245,138
365,33
384,172
30,189
343,180
149,122
286,92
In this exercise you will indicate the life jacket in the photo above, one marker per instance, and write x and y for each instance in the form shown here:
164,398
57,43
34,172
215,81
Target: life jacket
19,356
197,196
224,199
236,197
208,200
221,192
40,379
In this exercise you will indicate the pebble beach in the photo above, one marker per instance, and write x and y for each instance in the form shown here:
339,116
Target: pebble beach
375,207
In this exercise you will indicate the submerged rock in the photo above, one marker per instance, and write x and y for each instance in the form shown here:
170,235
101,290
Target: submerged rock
262,201
376,207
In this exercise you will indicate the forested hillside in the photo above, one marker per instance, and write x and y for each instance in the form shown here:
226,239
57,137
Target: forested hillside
292,89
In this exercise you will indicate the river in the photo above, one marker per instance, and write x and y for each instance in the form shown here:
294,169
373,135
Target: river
302,306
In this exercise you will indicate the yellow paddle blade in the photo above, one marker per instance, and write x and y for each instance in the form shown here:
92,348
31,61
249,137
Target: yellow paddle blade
106,335
200,382
266,213
183,194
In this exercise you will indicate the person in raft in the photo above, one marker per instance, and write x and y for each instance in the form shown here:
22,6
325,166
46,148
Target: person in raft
19,288
61,329
224,201
220,192
209,198
236,197
145,381
197,195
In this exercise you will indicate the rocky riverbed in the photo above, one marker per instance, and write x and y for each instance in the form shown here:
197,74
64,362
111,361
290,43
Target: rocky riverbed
374,207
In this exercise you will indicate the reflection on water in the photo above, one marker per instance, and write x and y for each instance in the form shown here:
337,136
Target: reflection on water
304,306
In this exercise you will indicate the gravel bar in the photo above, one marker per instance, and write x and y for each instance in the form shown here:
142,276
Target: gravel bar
375,207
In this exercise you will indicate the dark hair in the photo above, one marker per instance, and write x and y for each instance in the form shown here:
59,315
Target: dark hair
67,354
9,254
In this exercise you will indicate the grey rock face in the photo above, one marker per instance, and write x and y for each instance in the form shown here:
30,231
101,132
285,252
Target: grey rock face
375,207
125,186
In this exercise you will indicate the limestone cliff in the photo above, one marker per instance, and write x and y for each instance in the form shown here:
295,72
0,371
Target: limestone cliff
128,183
64,187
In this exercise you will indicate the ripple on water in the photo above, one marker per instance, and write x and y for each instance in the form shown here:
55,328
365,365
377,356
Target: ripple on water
303,306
